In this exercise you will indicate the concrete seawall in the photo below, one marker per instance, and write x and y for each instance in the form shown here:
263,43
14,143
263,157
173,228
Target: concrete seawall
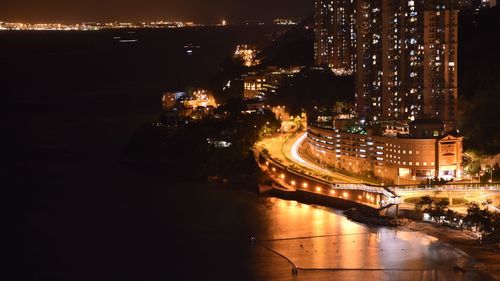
308,197
315,191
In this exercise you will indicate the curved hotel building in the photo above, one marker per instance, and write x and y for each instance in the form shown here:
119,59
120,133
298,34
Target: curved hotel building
424,153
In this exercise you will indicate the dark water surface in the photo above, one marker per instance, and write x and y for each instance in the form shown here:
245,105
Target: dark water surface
72,102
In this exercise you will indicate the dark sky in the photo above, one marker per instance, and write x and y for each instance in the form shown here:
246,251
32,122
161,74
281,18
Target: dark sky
205,11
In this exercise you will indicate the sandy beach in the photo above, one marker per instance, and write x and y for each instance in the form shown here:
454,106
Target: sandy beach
487,255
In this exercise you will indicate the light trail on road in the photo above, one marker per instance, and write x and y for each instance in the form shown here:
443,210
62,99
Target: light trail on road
296,156
294,153
295,148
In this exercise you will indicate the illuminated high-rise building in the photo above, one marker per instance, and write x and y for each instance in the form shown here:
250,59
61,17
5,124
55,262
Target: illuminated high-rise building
407,59
344,37
323,32
476,4
335,36
374,54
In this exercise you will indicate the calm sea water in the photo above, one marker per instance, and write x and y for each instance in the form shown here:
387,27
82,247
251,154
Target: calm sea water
73,101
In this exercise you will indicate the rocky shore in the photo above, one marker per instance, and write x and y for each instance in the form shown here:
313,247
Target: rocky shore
359,216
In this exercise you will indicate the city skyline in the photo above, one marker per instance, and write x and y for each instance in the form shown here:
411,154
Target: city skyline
76,11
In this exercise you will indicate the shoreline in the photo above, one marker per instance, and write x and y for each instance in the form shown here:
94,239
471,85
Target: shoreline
486,255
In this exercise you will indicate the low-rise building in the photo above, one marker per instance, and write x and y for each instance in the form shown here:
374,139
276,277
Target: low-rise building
200,98
259,85
253,86
170,99
402,159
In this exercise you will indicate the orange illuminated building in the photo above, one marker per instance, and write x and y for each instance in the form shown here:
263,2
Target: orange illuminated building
409,159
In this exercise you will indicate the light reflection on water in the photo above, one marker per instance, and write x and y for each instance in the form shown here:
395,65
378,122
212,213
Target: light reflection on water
325,244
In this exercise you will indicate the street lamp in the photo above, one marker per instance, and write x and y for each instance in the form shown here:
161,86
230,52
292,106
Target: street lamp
468,176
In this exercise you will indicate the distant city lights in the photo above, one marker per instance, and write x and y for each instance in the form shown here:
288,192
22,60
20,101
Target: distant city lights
286,22
93,26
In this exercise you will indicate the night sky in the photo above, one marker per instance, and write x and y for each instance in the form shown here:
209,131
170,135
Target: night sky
204,11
